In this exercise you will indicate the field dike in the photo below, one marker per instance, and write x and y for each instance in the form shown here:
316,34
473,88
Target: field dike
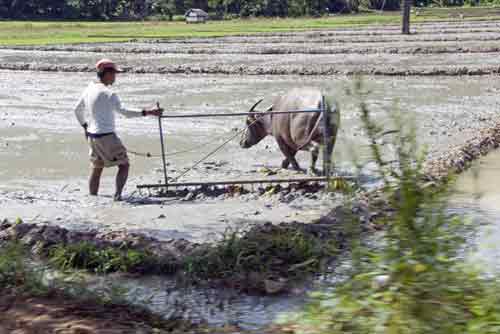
448,70
265,259
276,50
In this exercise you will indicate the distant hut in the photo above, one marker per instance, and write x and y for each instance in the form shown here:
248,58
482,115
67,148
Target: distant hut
196,15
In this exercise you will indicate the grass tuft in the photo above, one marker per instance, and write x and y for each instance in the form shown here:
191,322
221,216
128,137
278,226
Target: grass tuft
87,256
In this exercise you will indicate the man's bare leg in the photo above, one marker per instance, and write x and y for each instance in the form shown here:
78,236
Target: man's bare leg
121,179
95,178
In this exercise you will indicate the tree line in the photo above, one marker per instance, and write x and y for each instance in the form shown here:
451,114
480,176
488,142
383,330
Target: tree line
140,9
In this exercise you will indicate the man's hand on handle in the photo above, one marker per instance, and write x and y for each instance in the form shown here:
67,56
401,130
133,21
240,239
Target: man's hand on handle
156,111
85,126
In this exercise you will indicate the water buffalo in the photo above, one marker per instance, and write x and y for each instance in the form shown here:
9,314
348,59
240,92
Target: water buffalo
293,132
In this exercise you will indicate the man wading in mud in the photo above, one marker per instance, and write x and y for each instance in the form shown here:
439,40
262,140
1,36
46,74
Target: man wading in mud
99,103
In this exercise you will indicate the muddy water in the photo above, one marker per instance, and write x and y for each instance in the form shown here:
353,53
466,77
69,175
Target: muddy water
344,61
478,197
216,306
44,165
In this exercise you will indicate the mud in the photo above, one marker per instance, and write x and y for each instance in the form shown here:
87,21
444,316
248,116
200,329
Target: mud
479,44
445,70
459,158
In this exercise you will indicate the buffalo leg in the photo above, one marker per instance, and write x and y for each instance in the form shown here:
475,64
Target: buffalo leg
294,163
285,163
289,156
314,159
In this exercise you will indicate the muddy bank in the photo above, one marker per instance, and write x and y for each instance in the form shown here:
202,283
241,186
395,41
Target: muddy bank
262,40
336,32
284,48
281,265
450,70
458,158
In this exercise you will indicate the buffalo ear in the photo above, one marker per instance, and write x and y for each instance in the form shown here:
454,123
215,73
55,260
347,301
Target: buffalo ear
255,105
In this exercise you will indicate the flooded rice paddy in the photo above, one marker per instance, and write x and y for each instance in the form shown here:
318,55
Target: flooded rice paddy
43,154
44,163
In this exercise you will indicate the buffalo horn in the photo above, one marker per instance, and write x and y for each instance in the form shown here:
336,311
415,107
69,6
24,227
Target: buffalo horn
255,105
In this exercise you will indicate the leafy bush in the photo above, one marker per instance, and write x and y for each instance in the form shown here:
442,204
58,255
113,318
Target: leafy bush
381,4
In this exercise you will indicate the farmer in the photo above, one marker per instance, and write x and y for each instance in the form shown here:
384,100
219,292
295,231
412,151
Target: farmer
95,111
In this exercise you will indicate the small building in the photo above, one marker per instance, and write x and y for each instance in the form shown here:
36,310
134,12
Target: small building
195,15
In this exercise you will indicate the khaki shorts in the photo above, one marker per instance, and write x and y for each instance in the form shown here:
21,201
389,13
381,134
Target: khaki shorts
107,151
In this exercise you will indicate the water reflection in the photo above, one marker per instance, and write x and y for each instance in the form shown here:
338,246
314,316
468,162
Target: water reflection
477,197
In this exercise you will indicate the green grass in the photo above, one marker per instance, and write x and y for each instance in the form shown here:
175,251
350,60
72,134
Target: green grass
65,32
85,255
271,251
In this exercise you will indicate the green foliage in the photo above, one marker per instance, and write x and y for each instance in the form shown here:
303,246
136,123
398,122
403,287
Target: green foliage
139,9
14,272
268,251
11,265
482,2
87,256
167,9
415,281
381,4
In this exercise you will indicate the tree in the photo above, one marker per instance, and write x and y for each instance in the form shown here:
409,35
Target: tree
16,8
164,8
406,16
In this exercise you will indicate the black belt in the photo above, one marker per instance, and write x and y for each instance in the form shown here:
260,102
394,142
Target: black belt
99,135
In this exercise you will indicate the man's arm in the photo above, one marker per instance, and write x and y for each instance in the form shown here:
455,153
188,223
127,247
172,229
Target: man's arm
80,114
129,113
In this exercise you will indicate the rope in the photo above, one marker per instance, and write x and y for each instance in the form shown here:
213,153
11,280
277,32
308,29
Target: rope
171,154
215,150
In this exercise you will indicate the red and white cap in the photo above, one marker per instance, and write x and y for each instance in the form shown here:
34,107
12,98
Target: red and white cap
107,63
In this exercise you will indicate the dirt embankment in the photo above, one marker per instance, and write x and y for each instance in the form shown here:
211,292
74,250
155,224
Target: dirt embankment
309,70
281,49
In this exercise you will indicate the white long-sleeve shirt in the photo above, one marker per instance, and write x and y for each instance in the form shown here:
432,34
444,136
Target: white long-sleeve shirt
97,107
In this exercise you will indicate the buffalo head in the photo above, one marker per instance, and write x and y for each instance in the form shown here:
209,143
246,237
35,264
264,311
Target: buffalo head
255,129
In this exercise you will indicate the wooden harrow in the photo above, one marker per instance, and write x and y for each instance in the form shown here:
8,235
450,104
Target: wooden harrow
166,185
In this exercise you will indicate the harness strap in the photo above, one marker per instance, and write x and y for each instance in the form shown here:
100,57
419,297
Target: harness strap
99,135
